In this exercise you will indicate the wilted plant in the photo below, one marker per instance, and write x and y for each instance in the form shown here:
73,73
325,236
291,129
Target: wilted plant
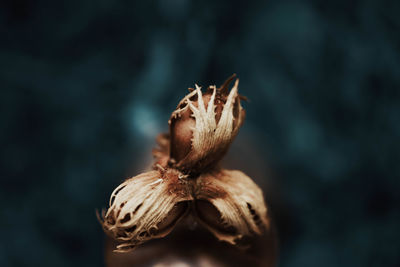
187,177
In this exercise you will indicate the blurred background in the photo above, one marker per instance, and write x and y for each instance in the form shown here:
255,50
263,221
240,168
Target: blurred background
87,85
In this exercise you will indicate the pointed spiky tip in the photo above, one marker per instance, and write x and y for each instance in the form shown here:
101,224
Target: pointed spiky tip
203,126
225,86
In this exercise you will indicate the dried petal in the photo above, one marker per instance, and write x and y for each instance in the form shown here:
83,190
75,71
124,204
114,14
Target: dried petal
146,206
230,205
203,126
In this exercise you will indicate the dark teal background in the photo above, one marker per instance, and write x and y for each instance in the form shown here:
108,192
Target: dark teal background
86,86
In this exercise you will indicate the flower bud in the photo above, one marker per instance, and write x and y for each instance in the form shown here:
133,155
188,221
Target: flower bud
145,207
203,126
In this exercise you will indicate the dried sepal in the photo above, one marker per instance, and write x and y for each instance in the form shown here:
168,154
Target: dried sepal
146,206
204,125
230,205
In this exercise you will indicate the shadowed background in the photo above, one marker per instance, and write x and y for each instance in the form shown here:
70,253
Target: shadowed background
87,85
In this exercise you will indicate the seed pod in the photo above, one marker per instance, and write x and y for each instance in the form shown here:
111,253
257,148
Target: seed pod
203,126
230,205
146,206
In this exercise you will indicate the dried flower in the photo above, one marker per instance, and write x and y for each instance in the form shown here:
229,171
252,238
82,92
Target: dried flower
187,178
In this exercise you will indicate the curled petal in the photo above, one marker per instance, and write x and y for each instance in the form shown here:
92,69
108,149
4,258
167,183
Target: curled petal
230,205
146,206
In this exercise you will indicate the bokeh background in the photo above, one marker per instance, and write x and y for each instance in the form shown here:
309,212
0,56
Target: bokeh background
87,85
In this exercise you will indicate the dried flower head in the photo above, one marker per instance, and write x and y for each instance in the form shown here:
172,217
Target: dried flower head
187,178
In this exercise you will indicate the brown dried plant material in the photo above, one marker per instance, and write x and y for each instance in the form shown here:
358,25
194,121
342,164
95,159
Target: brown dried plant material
203,126
187,178
235,200
146,206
